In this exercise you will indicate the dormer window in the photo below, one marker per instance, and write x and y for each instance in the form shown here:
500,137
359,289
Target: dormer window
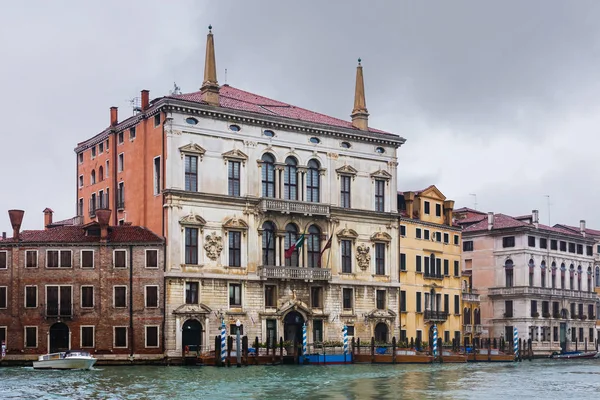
234,128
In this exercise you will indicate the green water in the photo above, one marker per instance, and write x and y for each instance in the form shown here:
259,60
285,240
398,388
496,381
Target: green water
545,379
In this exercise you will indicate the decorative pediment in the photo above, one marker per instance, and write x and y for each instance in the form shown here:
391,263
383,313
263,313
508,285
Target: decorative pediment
193,220
432,192
192,309
235,155
294,305
348,234
381,314
381,237
347,170
192,149
381,174
236,224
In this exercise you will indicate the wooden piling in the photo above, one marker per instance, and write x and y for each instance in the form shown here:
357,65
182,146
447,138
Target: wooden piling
245,349
218,351
372,350
394,350
353,351
280,350
229,347
440,350
358,346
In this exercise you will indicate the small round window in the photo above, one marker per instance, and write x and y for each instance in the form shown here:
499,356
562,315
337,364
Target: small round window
380,150
269,133
234,128
315,140
191,121
345,145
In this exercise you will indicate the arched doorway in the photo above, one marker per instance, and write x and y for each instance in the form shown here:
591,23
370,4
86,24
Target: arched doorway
59,337
381,332
292,327
191,337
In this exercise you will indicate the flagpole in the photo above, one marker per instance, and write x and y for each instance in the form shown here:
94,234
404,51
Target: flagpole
328,256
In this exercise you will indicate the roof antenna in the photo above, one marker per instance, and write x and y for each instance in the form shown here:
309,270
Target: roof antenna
226,76
136,105
475,200
549,204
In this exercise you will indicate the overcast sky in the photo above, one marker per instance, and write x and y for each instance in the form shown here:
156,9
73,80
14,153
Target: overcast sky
497,99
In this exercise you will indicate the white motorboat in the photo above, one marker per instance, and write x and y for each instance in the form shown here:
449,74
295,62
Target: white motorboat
65,360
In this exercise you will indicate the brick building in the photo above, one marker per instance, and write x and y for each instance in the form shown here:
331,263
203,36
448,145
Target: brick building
91,287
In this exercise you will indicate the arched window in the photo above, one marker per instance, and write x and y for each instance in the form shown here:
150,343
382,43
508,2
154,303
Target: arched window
597,276
291,236
313,182
589,279
93,177
100,174
467,316
553,275
543,273
314,247
268,175
509,273
572,277
563,270
531,272
268,243
290,179
477,316
579,273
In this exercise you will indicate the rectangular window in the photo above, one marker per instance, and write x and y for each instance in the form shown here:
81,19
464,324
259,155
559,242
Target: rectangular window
31,295
403,301
438,236
151,258
271,332
426,234
151,336
563,245
316,297
544,243
446,268
235,248
571,247
270,296
426,207
191,246
100,147
553,244
120,138
347,299
579,249
508,241
80,181
121,196
151,296
380,300
235,295
31,259
456,305
233,329
446,303
317,331
534,311
59,301
589,250
508,308
132,133
120,336
191,173
380,258
191,293
456,268
531,241
87,259
418,302
80,155
120,163
418,233
3,297
120,258
456,240
93,152
345,191
402,262
31,336
350,330
87,297
446,238
379,195
418,263
157,178
58,259
402,230
120,296
87,336
80,208
156,120
233,175
438,210
346,246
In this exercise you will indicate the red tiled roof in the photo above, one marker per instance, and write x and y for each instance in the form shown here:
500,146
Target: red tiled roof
470,219
68,221
588,231
77,234
237,99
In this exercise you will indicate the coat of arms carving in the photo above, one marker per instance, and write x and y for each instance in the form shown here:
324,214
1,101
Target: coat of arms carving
213,246
362,256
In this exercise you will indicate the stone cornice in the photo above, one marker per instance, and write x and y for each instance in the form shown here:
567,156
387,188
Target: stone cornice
431,224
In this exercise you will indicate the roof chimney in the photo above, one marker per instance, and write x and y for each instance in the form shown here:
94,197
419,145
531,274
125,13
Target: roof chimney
103,217
448,211
490,221
16,218
3,235
582,227
409,199
210,86
145,99
47,217
360,115
535,218
114,116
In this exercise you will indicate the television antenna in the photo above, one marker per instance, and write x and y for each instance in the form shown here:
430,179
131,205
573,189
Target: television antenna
136,105
474,200
547,196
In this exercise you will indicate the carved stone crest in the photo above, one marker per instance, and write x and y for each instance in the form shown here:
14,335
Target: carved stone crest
362,256
213,246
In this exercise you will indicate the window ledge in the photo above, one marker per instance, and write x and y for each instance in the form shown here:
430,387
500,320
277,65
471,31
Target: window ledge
236,311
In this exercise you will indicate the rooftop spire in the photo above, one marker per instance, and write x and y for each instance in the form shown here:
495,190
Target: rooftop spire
360,115
210,86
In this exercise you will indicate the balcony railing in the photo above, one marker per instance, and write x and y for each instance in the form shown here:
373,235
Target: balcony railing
526,290
436,315
478,329
311,274
431,275
294,207
468,328
472,297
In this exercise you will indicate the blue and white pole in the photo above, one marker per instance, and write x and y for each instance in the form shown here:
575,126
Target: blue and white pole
345,338
435,349
223,339
304,340
516,342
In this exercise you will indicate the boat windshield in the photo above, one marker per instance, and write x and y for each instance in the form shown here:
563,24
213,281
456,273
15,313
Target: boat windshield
77,354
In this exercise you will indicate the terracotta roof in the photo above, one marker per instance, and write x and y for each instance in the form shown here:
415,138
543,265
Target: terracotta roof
588,231
77,234
69,221
237,99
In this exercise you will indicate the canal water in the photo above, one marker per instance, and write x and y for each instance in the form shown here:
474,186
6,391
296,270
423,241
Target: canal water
540,379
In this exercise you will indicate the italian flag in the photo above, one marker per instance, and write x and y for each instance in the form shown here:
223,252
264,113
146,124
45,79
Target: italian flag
295,246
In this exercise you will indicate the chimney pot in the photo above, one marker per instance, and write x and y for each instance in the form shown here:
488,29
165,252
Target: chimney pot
582,226
535,218
114,116
490,221
48,217
16,218
145,99
4,235
103,218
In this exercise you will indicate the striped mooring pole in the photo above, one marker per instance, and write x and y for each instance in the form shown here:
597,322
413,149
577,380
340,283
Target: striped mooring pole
223,338
435,349
304,340
516,342
345,338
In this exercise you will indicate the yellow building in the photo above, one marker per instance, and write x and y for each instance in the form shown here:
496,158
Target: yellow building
430,273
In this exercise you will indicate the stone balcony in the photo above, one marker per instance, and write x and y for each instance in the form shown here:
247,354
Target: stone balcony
538,291
440,316
295,273
470,297
469,329
294,207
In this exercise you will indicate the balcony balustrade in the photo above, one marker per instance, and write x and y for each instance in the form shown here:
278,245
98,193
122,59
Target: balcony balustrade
431,315
309,274
471,297
294,207
547,292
